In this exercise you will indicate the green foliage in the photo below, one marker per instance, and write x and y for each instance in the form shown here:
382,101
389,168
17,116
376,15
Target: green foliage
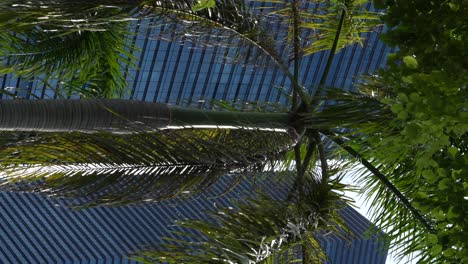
105,168
80,45
424,146
85,47
348,110
323,19
203,4
260,230
357,21
432,31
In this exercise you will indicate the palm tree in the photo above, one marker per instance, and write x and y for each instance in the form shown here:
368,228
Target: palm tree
132,126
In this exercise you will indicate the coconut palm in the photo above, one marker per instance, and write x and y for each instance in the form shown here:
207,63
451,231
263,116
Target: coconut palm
125,138
226,19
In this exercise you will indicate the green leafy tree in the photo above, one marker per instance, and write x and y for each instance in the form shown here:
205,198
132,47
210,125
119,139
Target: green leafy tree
423,148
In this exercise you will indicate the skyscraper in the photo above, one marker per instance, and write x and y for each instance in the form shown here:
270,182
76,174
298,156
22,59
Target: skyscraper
39,230
188,71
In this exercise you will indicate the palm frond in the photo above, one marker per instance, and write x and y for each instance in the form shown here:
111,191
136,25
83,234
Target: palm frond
319,21
405,231
116,169
389,186
345,109
260,231
231,24
81,46
358,20
66,34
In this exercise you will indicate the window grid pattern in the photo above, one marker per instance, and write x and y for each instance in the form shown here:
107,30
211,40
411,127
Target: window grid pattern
40,230
184,72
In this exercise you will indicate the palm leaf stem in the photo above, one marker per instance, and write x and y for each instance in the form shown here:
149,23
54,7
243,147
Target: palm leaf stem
296,57
301,170
309,153
383,179
297,155
297,88
296,36
331,53
321,86
323,158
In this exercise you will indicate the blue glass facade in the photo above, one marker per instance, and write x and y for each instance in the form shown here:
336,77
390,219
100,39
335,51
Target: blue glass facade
39,230
185,72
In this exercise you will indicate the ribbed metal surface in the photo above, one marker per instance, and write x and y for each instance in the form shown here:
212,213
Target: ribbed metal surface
34,229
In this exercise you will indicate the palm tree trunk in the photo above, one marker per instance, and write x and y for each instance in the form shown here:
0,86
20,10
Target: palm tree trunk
120,116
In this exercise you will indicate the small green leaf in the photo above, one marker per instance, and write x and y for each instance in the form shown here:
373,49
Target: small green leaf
453,151
407,79
396,108
386,101
432,239
451,214
454,6
421,195
415,97
403,115
439,215
436,250
428,174
449,252
444,184
456,174
410,62
402,97
203,4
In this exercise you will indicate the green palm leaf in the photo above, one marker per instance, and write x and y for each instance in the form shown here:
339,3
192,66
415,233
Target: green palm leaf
263,230
117,169
406,227
357,22
81,45
346,109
